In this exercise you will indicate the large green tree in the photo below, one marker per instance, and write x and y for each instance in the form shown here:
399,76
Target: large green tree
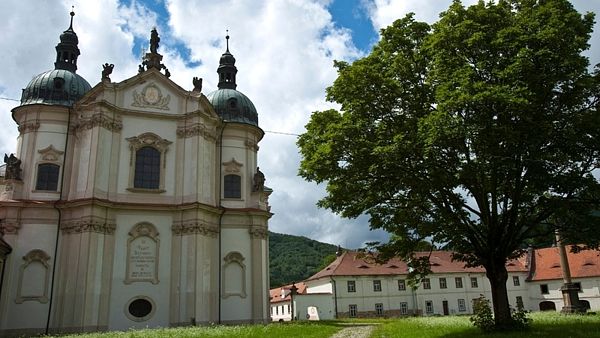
479,133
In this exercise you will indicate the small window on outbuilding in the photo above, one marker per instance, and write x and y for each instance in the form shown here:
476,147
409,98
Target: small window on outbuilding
232,186
47,177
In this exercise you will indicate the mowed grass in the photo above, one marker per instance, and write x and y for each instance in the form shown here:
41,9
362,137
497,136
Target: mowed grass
276,330
545,325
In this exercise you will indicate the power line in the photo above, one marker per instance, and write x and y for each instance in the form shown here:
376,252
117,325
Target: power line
281,133
8,99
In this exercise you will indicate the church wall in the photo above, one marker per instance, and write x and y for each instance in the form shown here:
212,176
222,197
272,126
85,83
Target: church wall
236,303
26,287
156,291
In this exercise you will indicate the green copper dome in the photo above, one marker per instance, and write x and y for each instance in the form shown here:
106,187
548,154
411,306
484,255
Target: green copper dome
58,86
233,106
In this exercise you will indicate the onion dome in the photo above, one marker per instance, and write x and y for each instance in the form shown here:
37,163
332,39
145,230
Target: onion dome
230,104
60,86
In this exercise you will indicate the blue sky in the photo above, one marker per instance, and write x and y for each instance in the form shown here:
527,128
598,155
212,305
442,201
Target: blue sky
284,50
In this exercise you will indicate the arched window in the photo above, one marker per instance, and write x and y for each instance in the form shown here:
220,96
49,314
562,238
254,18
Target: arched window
147,168
147,163
232,186
47,177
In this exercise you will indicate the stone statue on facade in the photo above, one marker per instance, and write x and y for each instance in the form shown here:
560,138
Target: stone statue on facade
106,71
154,40
259,180
197,84
13,167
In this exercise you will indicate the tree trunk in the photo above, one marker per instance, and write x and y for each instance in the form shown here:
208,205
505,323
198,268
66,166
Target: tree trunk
497,276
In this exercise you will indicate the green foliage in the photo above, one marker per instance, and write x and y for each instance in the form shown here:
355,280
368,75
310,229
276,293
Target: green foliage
482,317
295,258
481,132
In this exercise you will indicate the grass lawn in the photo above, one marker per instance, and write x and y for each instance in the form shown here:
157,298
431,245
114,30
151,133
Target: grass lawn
276,330
545,325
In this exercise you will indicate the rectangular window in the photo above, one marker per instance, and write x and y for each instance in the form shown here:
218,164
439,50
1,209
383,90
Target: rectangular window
474,283
401,285
443,283
289,308
232,186
47,177
352,310
578,285
377,285
428,307
516,281
351,286
520,304
462,306
277,310
458,282
403,308
544,289
379,309
426,283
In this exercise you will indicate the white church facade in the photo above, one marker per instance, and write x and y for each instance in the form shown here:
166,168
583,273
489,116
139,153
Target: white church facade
132,204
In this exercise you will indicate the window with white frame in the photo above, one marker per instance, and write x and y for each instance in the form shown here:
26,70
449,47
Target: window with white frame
232,186
428,306
520,304
426,283
462,305
443,284
379,309
147,163
401,285
403,308
47,177
458,282
377,285
351,286
516,281
352,310
474,283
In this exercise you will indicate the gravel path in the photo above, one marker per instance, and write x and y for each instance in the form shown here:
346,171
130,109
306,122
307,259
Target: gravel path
354,331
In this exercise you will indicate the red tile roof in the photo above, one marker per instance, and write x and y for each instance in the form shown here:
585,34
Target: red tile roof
275,294
348,264
546,264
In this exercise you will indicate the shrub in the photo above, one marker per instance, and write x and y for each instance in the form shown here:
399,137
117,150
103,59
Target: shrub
482,314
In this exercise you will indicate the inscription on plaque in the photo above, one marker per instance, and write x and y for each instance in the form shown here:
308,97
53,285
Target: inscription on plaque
142,254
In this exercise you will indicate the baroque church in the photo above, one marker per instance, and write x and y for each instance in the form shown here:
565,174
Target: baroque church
132,204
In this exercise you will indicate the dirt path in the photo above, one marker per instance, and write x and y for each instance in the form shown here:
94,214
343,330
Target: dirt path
355,331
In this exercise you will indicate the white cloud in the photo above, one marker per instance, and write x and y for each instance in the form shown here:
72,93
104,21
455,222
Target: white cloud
284,50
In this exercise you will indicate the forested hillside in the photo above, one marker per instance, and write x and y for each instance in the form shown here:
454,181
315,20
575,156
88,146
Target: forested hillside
295,258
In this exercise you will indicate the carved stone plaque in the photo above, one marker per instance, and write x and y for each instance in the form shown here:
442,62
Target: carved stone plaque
142,254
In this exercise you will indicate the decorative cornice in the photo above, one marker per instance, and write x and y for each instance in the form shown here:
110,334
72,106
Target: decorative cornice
196,129
97,226
99,119
29,127
10,228
191,228
232,166
148,139
50,153
259,232
252,145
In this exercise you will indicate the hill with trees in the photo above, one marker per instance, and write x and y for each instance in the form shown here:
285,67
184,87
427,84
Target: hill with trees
295,258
